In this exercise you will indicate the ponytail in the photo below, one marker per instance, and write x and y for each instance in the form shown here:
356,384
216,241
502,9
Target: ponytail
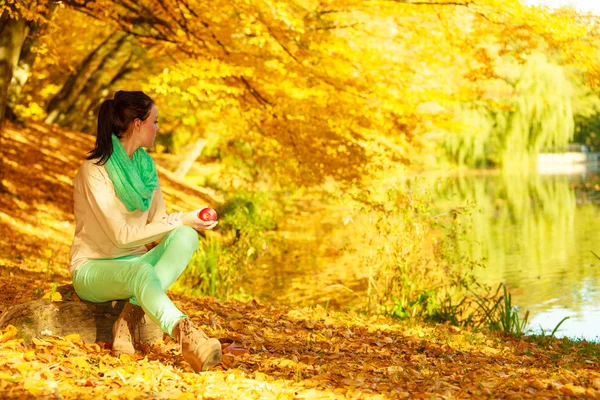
104,146
115,116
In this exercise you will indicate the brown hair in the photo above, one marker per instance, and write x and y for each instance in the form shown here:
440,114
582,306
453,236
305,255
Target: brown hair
115,116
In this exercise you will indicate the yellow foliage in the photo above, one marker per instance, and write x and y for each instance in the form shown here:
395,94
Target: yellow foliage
310,89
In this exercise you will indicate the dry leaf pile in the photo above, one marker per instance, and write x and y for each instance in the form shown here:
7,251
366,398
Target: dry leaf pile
309,353
304,354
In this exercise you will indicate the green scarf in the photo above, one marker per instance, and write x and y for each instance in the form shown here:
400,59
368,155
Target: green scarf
134,179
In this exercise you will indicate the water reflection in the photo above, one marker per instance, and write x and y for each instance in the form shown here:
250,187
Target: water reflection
533,232
535,235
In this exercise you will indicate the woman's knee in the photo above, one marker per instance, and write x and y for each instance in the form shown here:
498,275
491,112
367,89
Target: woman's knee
186,237
143,273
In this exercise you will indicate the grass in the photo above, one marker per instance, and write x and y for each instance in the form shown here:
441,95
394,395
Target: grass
217,268
502,315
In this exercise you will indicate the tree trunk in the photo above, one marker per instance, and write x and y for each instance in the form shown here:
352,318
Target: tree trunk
91,321
12,35
81,114
187,162
128,55
87,106
76,83
27,57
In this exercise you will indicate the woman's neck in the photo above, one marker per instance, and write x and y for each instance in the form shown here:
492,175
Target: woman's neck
129,145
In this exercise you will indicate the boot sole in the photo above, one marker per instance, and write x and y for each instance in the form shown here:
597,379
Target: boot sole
211,356
117,353
213,359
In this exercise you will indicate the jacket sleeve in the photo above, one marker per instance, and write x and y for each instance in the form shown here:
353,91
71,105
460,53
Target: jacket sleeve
104,204
157,211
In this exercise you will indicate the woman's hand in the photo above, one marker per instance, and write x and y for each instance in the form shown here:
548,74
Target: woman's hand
191,219
174,218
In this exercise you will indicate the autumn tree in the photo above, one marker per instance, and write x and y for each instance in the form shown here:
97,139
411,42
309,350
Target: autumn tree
334,88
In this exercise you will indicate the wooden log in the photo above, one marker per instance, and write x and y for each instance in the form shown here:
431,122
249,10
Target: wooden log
93,322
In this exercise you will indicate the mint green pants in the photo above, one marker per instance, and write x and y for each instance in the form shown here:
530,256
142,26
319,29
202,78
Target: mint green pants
141,279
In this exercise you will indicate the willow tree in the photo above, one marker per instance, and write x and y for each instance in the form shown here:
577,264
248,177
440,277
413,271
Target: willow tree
469,143
542,116
586,107
536,116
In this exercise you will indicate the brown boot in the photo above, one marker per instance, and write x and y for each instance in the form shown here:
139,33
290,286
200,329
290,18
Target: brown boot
197,349
124,329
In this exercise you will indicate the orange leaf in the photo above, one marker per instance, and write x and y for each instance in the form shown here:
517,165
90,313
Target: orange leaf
9,333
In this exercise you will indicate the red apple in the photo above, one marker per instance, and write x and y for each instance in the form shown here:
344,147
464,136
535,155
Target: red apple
207,214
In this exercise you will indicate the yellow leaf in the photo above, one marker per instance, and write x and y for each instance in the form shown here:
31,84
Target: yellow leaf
34,386
39,342
259,376
29,355
9,333
24,367
55,296
74,337
538,384
7,377
573,390
310,324
148,374
237,325
287,363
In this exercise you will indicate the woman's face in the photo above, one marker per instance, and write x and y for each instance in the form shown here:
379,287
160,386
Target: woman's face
148,129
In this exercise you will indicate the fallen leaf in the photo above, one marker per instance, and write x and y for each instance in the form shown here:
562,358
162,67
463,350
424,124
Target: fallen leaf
55,296
74,337
237,325
8,333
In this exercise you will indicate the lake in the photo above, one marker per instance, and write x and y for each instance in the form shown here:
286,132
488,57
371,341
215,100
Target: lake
536,232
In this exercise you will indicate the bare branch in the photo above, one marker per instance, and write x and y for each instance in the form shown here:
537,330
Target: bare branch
207,26
254,92
326,28
279,42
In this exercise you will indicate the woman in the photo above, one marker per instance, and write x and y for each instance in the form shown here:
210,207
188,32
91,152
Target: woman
118,209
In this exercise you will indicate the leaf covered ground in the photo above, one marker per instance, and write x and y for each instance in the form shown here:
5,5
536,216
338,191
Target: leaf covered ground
293,353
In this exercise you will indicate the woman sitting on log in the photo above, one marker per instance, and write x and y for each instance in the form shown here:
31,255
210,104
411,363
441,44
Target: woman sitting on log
119,208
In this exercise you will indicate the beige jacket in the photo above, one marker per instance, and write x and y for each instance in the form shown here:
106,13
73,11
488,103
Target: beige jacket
104,228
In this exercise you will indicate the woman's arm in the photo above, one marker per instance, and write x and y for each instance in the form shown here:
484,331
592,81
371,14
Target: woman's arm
157,211
104,204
